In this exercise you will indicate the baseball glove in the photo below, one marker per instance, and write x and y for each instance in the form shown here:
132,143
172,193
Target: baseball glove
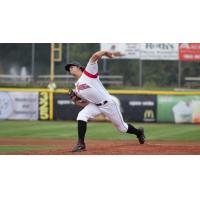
73,96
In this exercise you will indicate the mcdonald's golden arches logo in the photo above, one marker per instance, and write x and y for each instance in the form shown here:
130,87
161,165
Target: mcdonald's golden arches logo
149,115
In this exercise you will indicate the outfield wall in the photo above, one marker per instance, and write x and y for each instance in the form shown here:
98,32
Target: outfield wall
137,105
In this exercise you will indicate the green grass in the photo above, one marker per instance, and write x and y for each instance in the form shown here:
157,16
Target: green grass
96,131
8,148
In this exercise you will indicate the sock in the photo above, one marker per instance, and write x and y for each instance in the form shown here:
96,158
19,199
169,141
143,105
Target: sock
133,130
82,127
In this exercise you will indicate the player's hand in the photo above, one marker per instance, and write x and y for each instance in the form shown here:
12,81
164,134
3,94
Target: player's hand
81,103
118,54
114,54
109,54
73,96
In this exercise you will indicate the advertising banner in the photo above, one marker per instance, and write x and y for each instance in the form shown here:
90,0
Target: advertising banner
159,51
44,105
189,51
139,108
178,109
19,105
127,50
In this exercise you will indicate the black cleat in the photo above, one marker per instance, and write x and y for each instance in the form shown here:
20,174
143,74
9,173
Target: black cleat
141,136
79,147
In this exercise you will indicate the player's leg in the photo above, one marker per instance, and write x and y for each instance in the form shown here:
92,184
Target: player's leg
112,111
138,132
89,112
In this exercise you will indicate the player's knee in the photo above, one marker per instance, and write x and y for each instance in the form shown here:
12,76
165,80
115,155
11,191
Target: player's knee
122,129
83,117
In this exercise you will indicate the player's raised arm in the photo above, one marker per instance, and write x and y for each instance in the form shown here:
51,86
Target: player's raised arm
96,56
110,54
92,66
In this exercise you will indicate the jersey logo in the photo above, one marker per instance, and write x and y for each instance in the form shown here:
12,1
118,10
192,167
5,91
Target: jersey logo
82,87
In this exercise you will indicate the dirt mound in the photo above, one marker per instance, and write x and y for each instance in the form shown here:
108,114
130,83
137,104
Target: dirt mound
94,147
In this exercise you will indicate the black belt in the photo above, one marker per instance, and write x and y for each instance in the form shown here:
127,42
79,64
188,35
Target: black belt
101,104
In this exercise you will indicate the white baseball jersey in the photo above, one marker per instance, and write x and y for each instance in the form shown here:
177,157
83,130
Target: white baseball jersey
90,88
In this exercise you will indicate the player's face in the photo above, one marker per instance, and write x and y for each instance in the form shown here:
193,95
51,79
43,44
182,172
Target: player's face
74,70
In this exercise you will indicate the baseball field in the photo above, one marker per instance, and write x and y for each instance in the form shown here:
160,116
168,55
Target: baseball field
58,138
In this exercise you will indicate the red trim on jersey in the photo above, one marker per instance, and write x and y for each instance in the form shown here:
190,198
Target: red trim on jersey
91,75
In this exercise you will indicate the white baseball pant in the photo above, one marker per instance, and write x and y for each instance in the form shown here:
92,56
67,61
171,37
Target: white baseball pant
111,110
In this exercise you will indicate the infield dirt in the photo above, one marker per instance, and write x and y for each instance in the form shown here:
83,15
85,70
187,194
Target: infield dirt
94,147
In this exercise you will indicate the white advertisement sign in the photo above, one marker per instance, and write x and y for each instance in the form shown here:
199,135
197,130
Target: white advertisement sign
19,105
159,51
127,50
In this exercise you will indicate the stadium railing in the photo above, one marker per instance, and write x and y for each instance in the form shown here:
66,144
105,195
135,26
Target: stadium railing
63,80
60,80
192,82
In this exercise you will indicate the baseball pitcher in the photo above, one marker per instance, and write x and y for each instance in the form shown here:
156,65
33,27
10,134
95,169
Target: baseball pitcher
91,94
